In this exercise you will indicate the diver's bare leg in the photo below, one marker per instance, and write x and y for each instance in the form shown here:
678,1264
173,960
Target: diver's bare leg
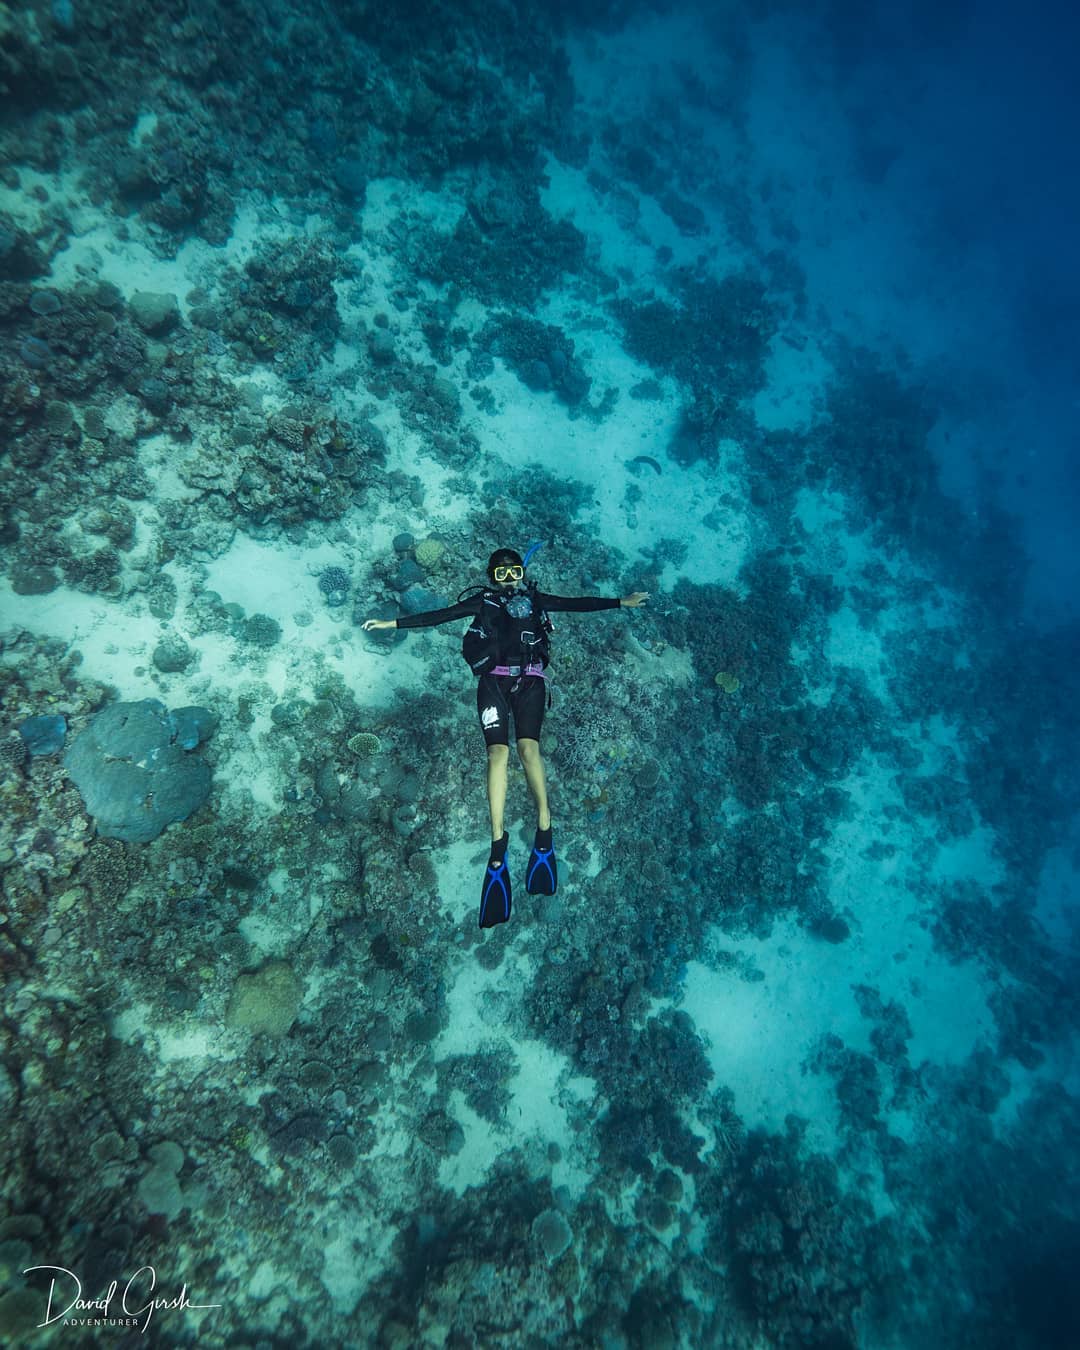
498,760
529,754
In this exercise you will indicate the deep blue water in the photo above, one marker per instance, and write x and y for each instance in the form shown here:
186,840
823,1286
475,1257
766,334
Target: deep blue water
980,103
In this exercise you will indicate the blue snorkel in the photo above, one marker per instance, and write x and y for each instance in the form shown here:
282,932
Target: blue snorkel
538,544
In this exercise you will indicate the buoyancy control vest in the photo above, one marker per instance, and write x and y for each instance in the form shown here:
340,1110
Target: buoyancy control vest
511,629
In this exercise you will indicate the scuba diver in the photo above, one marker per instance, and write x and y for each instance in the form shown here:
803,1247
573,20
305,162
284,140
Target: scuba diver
506,646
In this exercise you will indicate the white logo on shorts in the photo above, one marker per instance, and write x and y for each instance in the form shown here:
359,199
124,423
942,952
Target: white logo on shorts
489,717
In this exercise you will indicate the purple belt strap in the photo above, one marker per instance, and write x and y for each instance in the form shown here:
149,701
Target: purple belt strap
533,668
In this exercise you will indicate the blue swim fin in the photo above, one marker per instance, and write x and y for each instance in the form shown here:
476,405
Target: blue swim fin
495,897
541,871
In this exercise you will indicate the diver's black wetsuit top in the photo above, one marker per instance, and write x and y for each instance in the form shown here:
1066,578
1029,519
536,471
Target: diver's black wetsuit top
501,699
470,608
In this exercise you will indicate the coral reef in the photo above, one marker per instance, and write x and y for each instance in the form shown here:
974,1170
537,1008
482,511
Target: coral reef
302,312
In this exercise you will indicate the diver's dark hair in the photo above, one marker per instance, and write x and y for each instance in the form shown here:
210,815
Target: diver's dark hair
503,557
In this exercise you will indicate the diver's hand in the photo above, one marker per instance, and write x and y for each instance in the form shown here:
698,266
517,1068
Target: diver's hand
369,624
632,601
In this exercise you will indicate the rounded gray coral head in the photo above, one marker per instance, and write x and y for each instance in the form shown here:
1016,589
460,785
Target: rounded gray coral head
334,584
552,1234
134,776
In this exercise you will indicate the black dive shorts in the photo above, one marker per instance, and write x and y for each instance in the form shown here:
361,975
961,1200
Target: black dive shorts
497,699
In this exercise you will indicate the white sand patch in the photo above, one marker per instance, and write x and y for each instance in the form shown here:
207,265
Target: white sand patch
277,578
355,1246
458,869
478,998
281,917
114,641
344,358
1057,904
160,456
851,643
915,600
484,1142
259,221
907,617
145,125
280,579
865,641
441,507
386,199
624,228
189,1042
874,789
796,376
392,207
758,1035
634,511
761,1034
271,391
132,1022
819,511
545,1093
391,210
183,1047
971,858
946,1003
666,666
940,740
95,253
833,546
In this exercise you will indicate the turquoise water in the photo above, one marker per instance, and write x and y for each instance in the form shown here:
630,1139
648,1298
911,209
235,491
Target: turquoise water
767,313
